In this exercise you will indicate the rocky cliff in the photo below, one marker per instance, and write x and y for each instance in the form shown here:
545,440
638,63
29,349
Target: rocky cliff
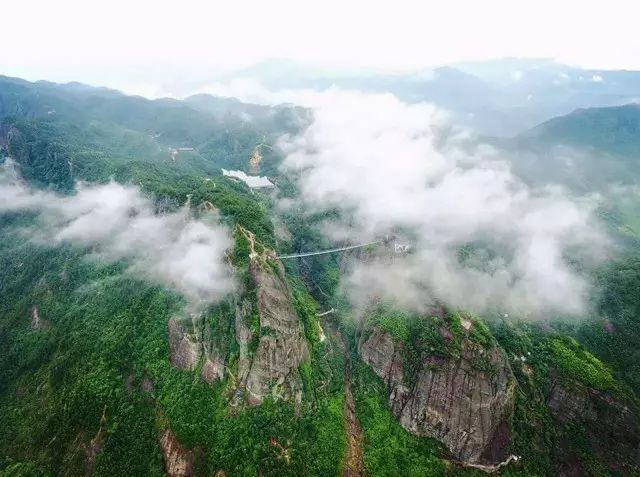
463,398
185,348
598,430
269,333
177,459
282,346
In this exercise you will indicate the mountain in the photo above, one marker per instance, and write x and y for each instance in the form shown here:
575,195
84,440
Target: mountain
588,150
613,129
112,365
532,91
134,128
498,97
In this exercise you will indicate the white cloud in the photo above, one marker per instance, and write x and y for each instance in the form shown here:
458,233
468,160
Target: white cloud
251,91
393,166
127,42
119,223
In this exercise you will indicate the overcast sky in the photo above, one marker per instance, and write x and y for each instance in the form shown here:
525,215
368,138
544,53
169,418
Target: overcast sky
108,42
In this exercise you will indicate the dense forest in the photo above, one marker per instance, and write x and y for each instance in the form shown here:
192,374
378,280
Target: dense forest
93,379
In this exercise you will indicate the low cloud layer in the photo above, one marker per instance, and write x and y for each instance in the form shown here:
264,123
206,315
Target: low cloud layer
249,90
403,168
119,223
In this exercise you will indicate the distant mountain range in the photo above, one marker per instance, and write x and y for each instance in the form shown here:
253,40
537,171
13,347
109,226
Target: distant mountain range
104,371
566,148
587,150
613,129
500,97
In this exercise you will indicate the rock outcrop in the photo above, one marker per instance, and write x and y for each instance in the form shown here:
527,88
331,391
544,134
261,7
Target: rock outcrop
243,337
270,336
185,350
271,353
178,461
94,447
607,424
212,369
282,346
36,322
188,349
465,401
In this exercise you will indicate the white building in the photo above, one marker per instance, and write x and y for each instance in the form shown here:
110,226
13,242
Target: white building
254,182
401,248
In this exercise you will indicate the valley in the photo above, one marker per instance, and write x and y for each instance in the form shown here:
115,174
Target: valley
174,314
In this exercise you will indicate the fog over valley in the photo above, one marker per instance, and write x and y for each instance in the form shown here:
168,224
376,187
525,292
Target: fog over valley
396,166
117,222
320,239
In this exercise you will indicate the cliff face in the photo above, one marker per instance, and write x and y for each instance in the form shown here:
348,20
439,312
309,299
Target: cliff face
185,350
606,425
177,459
282,346
465,401
269,351
36,322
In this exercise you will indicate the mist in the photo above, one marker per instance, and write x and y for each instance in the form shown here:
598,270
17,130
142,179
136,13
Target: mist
397,168
117,222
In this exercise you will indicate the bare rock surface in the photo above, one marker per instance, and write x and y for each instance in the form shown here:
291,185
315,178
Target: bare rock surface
609,423
36,322
147,385
185,350
177,459
243,337
212,369
94,447
270,355
282,346
450,399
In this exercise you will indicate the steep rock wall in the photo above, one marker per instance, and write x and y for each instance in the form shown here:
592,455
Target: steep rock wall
177,459
264,323
185,350
607,424
449,398
282,346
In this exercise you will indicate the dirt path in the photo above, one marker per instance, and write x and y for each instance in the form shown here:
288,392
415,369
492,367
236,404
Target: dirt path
353,463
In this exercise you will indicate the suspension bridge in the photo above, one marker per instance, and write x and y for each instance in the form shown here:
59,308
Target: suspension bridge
331,250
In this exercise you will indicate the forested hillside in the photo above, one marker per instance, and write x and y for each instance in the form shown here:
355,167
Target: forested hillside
588,150
613,129
106,371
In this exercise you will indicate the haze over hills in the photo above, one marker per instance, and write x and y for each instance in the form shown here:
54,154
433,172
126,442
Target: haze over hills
358,239
612,129
487,320
500,97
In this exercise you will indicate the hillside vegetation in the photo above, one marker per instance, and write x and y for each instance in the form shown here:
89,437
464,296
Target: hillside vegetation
104,373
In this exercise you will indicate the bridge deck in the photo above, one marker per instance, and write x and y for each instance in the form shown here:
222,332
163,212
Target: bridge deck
332,250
